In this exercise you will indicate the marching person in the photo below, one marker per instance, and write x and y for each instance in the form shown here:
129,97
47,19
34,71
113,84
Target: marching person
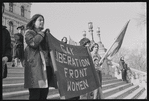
18,46
6,47
96,58
38,67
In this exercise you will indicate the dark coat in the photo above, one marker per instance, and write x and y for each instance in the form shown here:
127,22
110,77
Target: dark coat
35,75
19,46
122,64
6,43
6,47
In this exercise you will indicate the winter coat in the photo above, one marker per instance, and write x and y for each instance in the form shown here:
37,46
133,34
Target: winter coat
6,47
122,64
6,43
36,74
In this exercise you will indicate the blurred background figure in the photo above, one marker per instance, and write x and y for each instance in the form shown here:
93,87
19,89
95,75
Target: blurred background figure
123,67
64,39
6,47
18,47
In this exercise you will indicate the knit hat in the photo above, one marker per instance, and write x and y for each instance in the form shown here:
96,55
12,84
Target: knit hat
30,24
84,41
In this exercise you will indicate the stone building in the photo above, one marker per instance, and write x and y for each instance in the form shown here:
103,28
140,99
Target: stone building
15,14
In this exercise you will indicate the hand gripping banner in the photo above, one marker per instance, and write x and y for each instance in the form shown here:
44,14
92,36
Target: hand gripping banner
73,67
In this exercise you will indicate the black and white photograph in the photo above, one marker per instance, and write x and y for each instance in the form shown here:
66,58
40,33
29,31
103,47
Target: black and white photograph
74,50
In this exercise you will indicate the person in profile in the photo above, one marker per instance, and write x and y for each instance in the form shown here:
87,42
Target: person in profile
38,70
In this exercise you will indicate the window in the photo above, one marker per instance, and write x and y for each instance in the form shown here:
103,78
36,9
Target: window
22,11
11,28
11,7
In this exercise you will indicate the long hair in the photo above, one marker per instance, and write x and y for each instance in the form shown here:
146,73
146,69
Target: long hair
94,46
31,23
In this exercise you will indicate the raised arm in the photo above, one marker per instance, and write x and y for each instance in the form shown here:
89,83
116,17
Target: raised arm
33,39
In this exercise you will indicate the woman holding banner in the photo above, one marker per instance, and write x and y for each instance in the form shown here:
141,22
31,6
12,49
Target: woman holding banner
96,58
38,66
86,43
97,94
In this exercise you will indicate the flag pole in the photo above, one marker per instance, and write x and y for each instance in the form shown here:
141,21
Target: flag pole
106,53
112,44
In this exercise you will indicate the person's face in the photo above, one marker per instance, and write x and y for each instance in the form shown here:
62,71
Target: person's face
96,61
87,44
122,58
19,30
95,49
64,40
39,23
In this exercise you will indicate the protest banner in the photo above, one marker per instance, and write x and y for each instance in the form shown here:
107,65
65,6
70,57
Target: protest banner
73,67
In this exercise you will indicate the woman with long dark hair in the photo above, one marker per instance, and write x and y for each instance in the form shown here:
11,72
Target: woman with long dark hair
96,58
38,67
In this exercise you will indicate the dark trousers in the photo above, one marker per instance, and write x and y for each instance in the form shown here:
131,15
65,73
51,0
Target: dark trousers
124,75
99,73
38,93
4,71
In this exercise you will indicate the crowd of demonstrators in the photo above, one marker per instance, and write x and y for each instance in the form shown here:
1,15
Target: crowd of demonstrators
38,68
18,47
6,47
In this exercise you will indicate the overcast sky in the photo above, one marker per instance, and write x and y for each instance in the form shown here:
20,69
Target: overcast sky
70,19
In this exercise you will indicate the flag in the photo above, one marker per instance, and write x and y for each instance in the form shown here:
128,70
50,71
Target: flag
72,42
116,45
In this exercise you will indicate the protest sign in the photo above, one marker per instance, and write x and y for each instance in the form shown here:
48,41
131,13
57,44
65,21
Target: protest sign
74,68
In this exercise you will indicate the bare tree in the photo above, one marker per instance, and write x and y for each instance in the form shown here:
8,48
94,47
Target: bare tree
137,61
141,17
135,58
122,52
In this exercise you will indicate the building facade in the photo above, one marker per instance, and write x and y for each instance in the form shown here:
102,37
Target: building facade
15,14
